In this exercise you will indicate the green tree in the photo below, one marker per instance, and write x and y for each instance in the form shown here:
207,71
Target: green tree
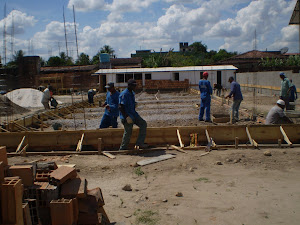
17,58
83,59
54,61
198,47
66,60
109,50
95,59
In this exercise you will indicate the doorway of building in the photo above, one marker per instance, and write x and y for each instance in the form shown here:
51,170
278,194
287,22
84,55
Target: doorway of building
102,83
219,77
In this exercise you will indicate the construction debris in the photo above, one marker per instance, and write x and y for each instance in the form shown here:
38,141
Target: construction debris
28,198
155,159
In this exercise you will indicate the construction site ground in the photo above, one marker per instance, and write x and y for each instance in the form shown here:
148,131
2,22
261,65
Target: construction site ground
248,188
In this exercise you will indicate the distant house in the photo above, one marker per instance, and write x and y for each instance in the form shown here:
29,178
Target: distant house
250,61
166,78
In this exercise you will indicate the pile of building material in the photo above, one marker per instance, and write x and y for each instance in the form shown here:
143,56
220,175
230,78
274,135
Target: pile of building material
44,193
7,107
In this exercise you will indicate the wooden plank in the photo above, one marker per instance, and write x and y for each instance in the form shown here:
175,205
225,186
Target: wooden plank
155,159
79,145
209,139
236,143
285,137
177,148
109,155
252,141
179,139
20,145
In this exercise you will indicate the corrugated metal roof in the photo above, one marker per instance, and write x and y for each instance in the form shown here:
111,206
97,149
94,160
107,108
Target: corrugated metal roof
166,69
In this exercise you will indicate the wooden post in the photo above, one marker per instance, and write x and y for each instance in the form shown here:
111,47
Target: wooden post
236,142
279,143
42,127
179,138
286,138
99,146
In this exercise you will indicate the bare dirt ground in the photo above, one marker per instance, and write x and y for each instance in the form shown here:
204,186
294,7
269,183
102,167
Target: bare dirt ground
248,188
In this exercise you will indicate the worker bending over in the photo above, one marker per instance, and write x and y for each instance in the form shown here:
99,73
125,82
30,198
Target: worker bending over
129,116
276,114
47,95
237,99
206,92
91,94
111,107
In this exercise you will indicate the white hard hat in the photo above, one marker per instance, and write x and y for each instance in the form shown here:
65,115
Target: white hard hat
280,102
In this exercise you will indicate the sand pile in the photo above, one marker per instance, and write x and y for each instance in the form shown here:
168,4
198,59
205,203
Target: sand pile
26,97
7,107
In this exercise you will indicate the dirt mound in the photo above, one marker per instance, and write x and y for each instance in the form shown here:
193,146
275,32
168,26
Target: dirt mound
7,107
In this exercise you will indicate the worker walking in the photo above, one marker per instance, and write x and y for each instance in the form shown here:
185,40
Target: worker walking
206,92
47,95
91,94
235,91
276,114
129,116
285,89
293,95
111,107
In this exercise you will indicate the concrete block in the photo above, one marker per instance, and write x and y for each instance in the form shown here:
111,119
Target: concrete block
26,214
62,174
11,202
43,176
25,172
3,155
62,212
74,188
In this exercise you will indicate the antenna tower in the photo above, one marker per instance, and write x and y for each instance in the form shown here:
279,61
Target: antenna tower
65,31
4,35
75,32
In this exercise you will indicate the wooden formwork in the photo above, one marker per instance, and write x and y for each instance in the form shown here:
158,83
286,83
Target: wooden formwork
110,138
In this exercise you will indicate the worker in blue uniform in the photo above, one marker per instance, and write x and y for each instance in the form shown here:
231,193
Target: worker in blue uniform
111,107
129,116
206,92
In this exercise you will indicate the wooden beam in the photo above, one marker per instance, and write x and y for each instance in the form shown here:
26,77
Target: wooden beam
178,149
252,141
20,145
179,139
109,155
236,143
80,143
285,137
3,129
99,146
209,139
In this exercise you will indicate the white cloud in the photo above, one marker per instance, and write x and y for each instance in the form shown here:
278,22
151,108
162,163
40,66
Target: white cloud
19,20
88,5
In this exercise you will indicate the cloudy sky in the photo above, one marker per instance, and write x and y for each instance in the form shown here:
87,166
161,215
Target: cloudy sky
129,25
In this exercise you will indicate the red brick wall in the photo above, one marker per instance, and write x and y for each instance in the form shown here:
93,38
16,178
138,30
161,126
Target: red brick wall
166,84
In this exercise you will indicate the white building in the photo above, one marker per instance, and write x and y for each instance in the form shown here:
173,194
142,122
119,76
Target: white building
217,74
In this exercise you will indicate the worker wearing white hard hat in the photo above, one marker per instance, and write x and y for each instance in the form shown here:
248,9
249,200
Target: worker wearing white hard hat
276,114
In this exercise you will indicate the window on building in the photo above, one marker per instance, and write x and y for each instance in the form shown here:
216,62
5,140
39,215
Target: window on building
138,76
148,76
120,77
201,75
128,76
176,76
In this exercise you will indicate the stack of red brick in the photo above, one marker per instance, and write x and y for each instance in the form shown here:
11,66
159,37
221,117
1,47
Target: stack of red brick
42,193
166,84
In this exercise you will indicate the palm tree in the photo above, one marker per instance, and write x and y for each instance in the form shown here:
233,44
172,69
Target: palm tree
107,49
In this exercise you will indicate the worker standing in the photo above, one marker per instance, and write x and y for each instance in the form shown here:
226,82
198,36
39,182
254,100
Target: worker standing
206,92
47,95
293,95
237,99
111,107
129,116
285,89
91,94
276,114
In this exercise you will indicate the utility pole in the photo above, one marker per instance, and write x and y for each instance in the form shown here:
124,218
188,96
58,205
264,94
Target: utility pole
75,32
65,31
4,35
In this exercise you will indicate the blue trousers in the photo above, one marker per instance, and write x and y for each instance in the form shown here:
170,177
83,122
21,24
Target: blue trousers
142,124
205,105
108,120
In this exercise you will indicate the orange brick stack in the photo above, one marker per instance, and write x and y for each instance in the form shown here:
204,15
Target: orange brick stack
166,84
61,198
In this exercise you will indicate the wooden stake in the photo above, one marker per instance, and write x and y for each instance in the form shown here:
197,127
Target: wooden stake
287,140
109,155
179,138
209,139
99,146
252,141
20,145
79,145
279,143
236,142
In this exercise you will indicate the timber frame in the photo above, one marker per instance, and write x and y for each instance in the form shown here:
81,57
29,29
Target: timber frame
105,140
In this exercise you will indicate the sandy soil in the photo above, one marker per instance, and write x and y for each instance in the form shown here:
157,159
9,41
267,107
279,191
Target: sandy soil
249,188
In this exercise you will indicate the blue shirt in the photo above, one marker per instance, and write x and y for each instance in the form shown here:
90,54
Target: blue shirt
293,93
205,89
235,91
113,101
127,99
